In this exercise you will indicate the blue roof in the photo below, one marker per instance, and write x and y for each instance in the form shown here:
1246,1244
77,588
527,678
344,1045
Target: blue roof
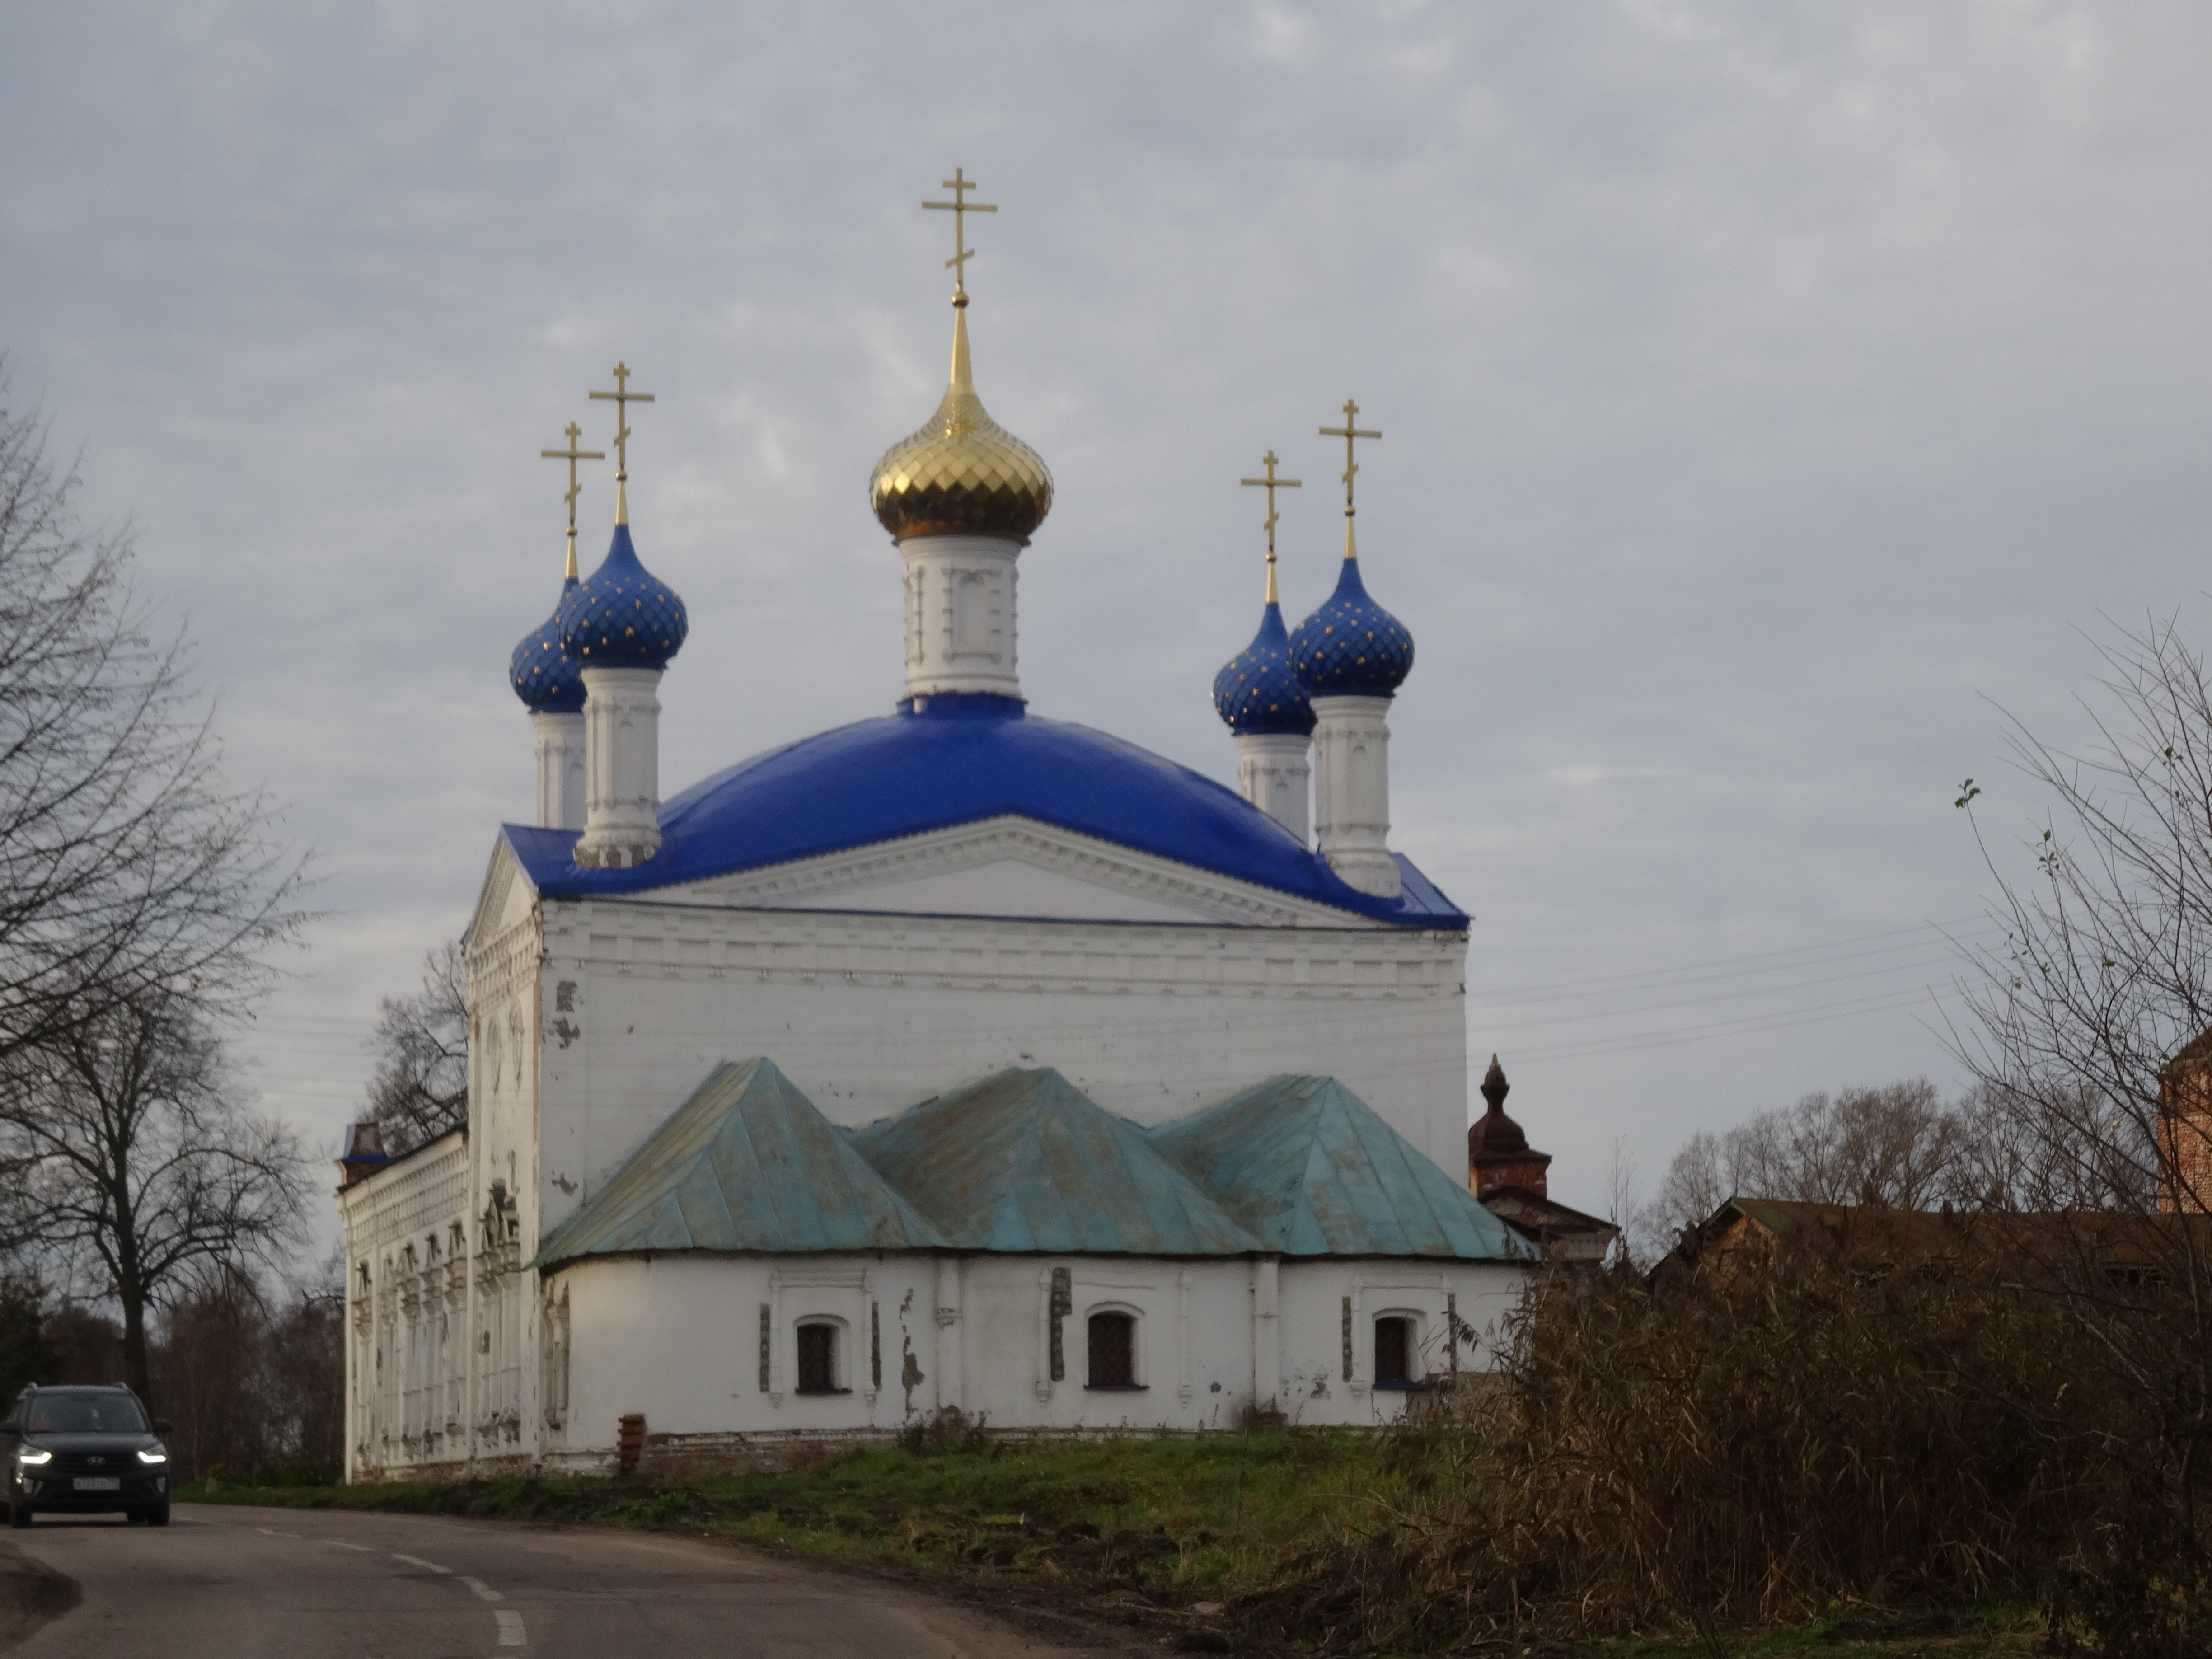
746,1164
1314,1171
1352,645
1255,690
953,763
541,671
1026,1161
624,616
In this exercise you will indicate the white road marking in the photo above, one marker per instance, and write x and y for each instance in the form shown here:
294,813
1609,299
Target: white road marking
510,1628
482,1589
343,1544
271,1532
417,1561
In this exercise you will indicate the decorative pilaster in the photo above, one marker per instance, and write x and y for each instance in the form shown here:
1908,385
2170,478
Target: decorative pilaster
560,769
960,616
1274,773
1352,791
622,802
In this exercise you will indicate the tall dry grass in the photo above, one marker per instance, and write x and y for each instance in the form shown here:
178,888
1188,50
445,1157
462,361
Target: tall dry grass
1865,1426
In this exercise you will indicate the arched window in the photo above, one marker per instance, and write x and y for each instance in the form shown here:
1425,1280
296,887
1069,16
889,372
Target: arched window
817,1358
1394,1353
1113,1350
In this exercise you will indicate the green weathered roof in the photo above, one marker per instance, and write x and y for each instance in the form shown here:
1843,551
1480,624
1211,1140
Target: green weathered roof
1314,1171
746,1164
1026,1161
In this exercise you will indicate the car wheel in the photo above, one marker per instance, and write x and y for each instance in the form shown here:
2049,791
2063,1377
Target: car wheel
157,1515
135,1516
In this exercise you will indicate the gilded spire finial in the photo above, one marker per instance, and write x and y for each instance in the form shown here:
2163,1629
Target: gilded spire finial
1348,431
621,397
1271,483
960,207
572,455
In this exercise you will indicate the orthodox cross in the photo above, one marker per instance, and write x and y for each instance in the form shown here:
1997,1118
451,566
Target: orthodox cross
572,455
960,207
1271,483
621,397
1348,431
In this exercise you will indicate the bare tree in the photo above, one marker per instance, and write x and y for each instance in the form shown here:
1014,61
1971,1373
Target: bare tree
421,1088
2100,980
134,1167
1893,1147
127,864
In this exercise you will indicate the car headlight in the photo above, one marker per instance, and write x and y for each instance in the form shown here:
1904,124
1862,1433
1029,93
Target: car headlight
33,1454
157,1456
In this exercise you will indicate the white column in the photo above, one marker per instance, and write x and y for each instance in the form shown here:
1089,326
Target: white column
1273,774
949,1333
1352,791
622,767
1267,1331
959,614
560,770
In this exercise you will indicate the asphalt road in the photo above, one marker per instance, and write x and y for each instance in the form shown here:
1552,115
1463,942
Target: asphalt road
235,1583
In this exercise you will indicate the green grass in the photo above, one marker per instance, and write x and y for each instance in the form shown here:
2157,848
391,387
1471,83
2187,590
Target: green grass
1178,1521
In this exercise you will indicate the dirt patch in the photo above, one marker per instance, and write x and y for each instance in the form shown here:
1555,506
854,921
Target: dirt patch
32,1594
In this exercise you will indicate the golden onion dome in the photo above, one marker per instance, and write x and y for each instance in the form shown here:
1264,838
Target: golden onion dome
962,474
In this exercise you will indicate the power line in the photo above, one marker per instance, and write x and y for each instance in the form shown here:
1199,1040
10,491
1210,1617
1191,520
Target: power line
1532,993
1749,1026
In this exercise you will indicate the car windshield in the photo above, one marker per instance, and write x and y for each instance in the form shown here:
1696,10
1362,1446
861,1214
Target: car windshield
51,1412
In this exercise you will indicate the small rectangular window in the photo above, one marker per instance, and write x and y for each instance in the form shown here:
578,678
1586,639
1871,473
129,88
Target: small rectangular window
1113,1350
818,1360
1394,1353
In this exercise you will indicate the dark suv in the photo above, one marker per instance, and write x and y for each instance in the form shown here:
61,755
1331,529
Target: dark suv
85,1451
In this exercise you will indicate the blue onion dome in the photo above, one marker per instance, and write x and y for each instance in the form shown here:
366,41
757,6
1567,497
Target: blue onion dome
1352,646
1255,690
541,671
624,616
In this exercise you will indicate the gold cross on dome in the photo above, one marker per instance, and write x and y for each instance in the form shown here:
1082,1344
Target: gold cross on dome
572,455
1348,431
1271,483
621,397
960,207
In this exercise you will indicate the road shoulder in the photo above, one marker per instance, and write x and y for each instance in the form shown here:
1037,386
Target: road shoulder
32,1594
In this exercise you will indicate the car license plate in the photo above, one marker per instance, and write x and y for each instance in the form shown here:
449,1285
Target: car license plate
99,1483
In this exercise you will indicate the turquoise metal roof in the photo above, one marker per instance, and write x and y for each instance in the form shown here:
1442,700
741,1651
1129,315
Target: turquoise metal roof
1026,1161
746,1164
1314,1171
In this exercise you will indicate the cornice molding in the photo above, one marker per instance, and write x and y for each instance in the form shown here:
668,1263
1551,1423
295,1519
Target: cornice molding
1216,899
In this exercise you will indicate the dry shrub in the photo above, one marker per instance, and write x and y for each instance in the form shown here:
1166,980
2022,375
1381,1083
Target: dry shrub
1860,1424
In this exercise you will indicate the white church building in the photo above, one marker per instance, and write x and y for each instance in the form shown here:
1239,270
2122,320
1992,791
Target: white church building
961,1058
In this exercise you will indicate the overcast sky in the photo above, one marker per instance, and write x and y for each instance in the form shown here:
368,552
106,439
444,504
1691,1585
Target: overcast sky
1769,394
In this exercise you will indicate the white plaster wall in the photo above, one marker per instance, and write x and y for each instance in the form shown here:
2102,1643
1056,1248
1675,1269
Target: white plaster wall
1314,1389
677,1338
869,1014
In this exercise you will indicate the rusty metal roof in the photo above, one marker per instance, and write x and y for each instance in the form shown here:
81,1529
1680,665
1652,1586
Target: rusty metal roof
1314,1171
1026,1161
746,1164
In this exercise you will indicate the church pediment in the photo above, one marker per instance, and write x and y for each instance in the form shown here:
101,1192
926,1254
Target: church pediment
1014,868
505,896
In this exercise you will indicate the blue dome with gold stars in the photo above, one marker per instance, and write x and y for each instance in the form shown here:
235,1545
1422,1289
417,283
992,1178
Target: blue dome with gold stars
541,671
624,616
1255,690
1352,646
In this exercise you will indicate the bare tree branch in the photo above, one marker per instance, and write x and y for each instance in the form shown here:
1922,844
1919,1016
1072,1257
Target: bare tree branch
126,861
421,1088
